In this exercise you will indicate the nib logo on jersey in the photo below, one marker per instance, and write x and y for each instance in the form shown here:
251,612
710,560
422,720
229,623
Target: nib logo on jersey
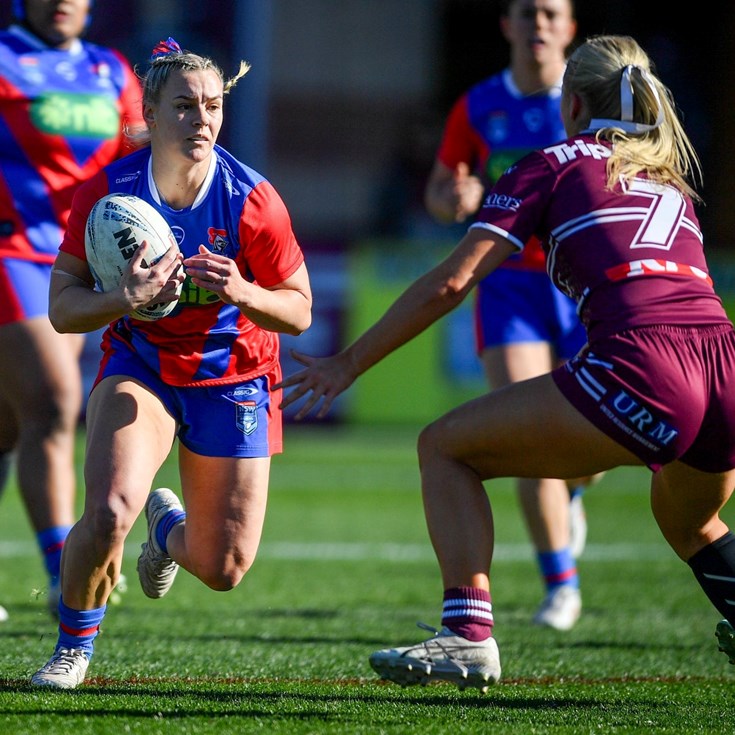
218,241
83,115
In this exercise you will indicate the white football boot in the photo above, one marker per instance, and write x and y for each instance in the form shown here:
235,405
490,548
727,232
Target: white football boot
444,657
577,526
64,670
156,569
560,609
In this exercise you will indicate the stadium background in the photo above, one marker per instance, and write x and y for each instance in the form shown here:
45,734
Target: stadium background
343,110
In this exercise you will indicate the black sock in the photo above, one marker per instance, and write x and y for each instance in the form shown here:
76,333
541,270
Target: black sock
714,568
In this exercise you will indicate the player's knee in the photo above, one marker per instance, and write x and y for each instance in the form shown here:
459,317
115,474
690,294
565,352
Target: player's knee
428,444
109,523
225,576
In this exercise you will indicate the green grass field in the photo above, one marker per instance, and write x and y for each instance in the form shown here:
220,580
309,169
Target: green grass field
346,567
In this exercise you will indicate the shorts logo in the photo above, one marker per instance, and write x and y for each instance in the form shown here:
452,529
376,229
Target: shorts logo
241,392
628,414
643,425
247,417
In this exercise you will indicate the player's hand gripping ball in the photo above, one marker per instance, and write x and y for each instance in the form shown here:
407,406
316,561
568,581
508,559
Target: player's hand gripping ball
116,226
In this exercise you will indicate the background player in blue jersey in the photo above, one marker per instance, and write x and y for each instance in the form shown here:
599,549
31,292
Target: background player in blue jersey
64,103
524,326
204,374
614,207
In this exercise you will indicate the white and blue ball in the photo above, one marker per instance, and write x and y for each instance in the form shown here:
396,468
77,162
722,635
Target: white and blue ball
116,227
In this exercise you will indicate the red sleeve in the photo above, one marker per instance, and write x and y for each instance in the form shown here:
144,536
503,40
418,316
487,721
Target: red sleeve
270,250
131,105
84,198
461,143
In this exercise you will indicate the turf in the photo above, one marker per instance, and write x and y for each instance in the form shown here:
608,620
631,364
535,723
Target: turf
346,567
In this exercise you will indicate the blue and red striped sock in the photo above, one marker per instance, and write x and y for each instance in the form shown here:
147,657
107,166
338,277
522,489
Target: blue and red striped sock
576,491
467,611
51,542
558,568
79,628
171,519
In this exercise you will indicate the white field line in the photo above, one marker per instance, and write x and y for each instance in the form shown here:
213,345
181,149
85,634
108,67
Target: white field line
364,551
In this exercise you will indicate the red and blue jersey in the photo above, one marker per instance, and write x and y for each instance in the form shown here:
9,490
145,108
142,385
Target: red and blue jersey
493,125
62,118
238,214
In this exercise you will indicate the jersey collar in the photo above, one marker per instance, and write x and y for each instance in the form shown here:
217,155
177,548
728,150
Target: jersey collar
513,90
40,45
203,189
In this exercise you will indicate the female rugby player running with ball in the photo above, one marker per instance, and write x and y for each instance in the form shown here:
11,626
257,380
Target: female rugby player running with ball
204,374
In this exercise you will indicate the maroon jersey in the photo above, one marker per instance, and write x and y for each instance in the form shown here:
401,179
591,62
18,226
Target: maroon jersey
631,256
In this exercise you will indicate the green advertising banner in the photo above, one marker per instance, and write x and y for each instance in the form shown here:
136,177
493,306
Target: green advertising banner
433,373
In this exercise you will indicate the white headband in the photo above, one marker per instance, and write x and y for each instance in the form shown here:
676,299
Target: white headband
626,105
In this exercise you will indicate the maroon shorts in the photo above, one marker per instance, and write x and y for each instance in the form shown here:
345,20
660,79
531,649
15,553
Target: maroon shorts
665,393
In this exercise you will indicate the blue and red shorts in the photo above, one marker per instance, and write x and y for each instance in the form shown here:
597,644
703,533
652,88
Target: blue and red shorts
24,286
232,420
513,305
663,392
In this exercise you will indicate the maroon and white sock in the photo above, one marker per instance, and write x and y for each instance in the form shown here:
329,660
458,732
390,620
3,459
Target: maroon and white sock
467,612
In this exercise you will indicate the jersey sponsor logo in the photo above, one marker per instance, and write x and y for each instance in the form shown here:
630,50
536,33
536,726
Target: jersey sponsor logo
655,267
83,115
179,233
192,295
66,71
502,201
128,177
566,152
231,190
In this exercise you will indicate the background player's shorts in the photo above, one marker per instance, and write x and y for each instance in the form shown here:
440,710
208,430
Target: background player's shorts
514,305
664,392
233,420
24,287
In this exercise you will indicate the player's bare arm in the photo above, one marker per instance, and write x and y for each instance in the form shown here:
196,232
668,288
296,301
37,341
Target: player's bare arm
424,302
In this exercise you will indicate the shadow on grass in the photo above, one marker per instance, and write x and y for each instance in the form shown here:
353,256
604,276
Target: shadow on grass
246,698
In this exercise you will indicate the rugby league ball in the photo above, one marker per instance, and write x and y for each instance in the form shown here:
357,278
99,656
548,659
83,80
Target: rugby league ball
116,226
